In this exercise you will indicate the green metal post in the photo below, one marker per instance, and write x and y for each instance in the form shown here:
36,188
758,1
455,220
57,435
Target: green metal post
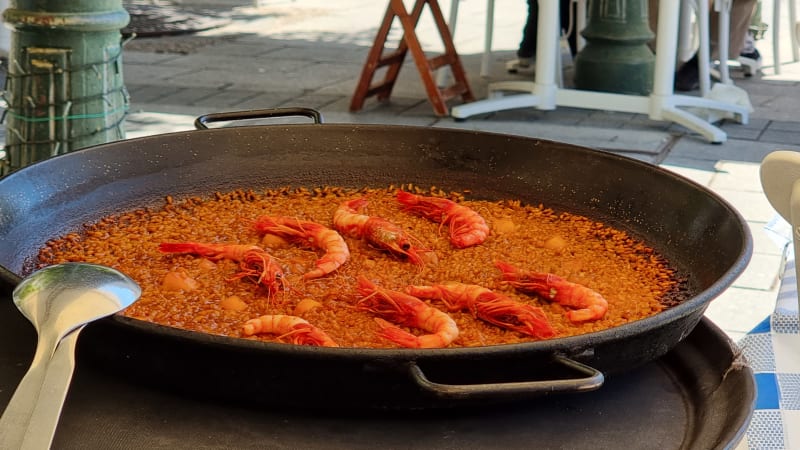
616,57
64,86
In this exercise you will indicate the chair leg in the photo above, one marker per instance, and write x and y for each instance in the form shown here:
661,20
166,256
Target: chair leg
580,23
723,9
393,61
793,34
443,75
685,45
704,51
776,50
487,41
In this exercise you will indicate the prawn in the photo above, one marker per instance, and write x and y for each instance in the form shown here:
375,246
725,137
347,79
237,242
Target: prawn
467,227
378,232
254,262
304,231
588,304
489,306
292,328
406,310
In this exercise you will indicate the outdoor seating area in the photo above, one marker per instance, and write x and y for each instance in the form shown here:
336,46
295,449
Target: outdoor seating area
197,58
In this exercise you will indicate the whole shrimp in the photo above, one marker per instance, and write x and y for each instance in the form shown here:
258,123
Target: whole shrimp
378,232
589,304
292,328
489,306
254,262
406,310
467,227
304,231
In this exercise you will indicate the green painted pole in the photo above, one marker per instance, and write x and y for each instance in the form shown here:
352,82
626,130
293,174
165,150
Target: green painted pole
64,86
616,57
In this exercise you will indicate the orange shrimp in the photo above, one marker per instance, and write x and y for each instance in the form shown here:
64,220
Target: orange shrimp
589,304
489,306
467,227
292,328
253,261
378,232
406,310
304,231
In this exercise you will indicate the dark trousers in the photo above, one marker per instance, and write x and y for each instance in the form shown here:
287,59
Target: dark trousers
527,48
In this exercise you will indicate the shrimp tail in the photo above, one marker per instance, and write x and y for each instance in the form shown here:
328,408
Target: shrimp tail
489,306
407,310
429,207
294,329
185,247
526,319
396,334
467,227
586,304
306,232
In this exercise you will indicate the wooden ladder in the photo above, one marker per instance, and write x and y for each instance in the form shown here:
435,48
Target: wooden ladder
394,60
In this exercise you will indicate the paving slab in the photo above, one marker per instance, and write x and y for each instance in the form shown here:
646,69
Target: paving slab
688,168
750,204
732,149
739,310
148,73
230,99
761,273
377,118
642,142
736,175
140,124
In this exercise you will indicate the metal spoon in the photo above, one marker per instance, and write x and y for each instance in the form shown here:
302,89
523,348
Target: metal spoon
59,301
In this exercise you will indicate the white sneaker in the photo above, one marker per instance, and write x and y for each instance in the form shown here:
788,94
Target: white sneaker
515,65
750,61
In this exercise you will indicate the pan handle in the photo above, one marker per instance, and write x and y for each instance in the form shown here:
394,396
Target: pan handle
200,122
593,380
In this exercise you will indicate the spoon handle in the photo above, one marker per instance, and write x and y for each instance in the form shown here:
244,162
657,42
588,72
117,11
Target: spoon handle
17,418
45,416
14,422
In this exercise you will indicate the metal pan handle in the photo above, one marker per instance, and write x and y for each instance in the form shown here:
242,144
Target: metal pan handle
593,380
200,122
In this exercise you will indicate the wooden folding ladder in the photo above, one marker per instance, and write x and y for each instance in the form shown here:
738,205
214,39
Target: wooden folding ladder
394,60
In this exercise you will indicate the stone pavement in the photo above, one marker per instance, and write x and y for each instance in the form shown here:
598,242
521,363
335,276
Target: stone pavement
280,53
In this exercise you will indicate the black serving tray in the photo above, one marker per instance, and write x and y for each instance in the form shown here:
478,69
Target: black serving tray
699,395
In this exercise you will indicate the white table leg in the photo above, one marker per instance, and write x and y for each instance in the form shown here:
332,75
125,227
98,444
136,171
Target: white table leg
540,93
662,104
703,53
723,8
443,75
487,39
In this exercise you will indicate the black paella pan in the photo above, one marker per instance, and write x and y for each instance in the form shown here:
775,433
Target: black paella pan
702,235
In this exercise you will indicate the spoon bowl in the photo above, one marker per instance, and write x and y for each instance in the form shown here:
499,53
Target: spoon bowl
60,298
59,301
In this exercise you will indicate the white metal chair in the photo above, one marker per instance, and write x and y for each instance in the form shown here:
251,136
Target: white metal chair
776,20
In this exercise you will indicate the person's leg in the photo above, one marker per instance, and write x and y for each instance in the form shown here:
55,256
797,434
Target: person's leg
566,8
527,47
652,20
740,17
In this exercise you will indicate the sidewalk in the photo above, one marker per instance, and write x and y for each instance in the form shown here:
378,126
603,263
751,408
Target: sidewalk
310,53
